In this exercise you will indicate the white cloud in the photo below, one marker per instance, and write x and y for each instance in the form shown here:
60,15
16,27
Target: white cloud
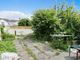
15,15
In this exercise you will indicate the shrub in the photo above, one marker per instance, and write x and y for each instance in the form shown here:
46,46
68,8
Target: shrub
56,44
2,31
44,23
7,36
24,22
7,46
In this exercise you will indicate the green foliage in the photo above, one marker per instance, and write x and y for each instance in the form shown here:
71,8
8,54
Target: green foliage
60,19
7,46
67,17
24,22
44,23
56,44
8,37
2,31
70,20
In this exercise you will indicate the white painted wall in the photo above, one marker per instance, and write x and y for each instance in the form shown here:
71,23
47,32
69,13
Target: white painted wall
20,31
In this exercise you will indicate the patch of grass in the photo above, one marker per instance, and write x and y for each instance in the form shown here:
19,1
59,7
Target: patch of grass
7,37
7,46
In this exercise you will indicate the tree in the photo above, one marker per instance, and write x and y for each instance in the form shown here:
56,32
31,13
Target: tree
66,15
57,20
24,22
44,23
70,22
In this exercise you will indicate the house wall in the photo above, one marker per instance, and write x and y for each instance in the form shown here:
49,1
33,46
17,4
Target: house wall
10,22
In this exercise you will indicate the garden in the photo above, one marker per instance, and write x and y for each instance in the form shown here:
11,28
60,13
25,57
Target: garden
62,21
58,27
6,43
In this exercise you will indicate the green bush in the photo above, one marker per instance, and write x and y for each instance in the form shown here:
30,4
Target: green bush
24,22
44,23
56,44
7,46
7,36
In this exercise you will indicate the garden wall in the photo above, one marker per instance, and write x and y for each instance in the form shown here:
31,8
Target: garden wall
19,30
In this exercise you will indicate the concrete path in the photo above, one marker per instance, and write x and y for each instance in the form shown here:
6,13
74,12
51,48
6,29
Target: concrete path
39,53
21,51
43,52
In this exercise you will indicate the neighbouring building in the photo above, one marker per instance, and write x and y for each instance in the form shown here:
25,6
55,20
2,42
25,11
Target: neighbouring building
8,22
